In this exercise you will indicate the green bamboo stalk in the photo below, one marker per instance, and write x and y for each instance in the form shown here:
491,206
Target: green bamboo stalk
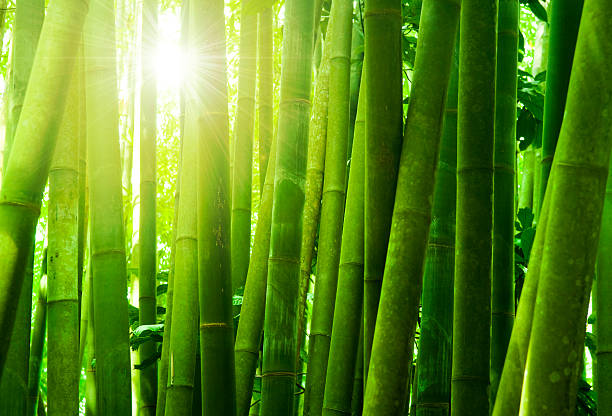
91,403
356,70
502,283
184,334
63,365
248,339
265,54
29,16
332,206
435,342
475,138
34,142
525,197
38,341
209,109
357,400
602,294
383,140
107,239
508,397
557,345
315,165
147,305
564,20
349,296
243,150
165,353
279,359
84,317
398,311
27,26
14,381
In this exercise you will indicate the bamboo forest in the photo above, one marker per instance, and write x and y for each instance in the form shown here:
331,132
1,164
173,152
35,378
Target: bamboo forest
305,207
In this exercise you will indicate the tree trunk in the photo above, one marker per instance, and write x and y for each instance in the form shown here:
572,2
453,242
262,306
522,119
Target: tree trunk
107,233
279,360
184,334
556,345
475,138
602,300
349,297
398,311
23,186
39,329
248,339
332,206
383,140
317,140
147,306
564,20
435,342
502,284
243,150
265,50
210,118
63,365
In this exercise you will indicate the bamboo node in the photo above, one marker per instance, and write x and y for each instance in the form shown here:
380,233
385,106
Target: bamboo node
383,13
284,259
222,325
279,374
35,208
295,101
318,333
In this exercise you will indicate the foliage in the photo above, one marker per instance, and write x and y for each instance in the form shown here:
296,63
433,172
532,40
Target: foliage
531,109
523,241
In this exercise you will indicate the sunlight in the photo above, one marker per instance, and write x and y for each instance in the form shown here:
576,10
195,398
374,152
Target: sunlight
169,57
169,65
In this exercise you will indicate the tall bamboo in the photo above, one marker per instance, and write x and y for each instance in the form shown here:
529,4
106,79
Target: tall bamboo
279,359
602,293
475,137
525,197
91,404
315,165
349,296
356,70
357,400
14,381
39,329
243,150
107,240
63,365
184,335
209,109
265,57
432,382
28,20
23,186
383,140
332,206
163,367
398,311
556,345
502,283
148,192
508,396
26,29
564,20
248,339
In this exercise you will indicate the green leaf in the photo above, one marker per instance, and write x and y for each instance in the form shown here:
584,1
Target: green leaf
525,217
